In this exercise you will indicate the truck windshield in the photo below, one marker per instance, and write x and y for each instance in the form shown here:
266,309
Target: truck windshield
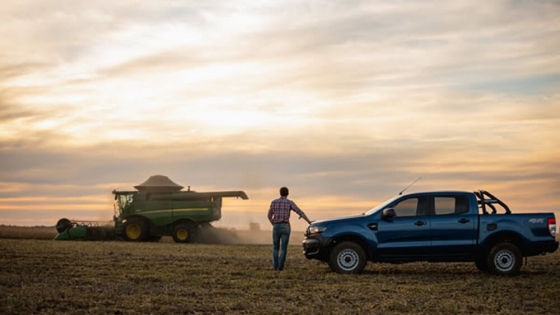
381,206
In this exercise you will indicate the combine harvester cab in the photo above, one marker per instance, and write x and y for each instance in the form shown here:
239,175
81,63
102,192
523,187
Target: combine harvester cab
159,207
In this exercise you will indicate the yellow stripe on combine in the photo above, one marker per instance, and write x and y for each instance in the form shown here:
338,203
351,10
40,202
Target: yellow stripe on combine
192,209
176,210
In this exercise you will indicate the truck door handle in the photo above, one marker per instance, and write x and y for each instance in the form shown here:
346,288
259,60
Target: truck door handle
463,221
419,223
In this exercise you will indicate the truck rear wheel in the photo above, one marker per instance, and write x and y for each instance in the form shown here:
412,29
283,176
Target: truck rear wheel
504,259
347,257
135,230
183,233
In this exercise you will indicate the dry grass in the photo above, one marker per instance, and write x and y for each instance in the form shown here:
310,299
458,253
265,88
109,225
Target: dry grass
39,276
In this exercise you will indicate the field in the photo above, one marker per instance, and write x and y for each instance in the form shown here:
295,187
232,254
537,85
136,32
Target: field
47,277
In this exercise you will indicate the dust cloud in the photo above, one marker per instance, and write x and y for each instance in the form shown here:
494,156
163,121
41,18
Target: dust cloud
217,235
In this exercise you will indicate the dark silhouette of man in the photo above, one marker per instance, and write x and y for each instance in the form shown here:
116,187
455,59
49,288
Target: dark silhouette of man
279,217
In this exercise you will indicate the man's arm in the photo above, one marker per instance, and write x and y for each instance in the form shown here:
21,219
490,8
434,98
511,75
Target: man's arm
300,212
306,218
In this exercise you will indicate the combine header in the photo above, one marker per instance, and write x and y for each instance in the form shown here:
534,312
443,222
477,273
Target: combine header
159,207
84,230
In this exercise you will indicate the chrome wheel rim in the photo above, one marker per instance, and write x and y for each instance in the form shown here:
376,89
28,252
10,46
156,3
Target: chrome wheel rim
348,259
504,260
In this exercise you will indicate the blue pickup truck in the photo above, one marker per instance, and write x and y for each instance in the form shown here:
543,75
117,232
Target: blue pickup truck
438,226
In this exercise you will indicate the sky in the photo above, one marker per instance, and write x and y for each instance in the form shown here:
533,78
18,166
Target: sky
344,102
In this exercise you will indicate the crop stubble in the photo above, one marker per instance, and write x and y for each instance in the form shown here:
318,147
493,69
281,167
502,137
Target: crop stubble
42,276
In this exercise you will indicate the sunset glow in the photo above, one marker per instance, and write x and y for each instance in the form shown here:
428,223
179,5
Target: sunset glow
345,103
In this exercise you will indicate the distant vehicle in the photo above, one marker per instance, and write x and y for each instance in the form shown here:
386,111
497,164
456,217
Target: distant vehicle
439,226
159,207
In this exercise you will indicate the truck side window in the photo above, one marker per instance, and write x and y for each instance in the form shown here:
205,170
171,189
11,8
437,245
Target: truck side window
411,207
406,208
450,205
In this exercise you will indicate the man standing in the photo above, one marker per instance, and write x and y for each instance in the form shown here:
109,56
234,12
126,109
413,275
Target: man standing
279,217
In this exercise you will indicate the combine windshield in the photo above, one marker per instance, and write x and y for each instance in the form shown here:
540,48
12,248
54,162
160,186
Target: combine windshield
123,201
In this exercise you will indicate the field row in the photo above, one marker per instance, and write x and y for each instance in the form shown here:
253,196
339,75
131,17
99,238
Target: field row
43,276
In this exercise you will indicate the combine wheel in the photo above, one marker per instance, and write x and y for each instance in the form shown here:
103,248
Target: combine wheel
135,230
62,225
347,257
183,233
504,259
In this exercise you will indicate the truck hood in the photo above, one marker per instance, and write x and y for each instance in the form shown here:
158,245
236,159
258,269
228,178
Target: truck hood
337,220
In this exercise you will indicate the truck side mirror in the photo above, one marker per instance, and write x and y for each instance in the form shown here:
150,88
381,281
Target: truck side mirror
388,214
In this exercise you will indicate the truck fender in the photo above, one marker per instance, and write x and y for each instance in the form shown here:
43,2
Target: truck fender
499,237
356,235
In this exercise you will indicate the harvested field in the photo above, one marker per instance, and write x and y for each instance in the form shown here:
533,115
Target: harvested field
47,277
26,232
211,235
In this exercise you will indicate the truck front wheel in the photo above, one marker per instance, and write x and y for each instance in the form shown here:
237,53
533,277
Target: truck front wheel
347,257
504,259
182,233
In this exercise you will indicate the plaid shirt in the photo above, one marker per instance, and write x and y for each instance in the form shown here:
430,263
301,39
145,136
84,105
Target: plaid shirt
279,211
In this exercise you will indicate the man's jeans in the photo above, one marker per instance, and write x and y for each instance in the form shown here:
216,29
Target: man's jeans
280,237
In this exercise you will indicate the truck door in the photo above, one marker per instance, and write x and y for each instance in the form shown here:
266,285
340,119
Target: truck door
452,227
408,233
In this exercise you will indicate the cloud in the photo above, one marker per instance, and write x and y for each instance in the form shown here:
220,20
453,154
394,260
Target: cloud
345,102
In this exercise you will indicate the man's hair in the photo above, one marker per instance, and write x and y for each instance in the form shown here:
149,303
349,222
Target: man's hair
284,191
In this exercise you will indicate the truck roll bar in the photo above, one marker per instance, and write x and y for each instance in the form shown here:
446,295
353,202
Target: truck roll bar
483,202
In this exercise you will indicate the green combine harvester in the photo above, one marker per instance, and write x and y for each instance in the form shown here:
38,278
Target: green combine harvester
159,207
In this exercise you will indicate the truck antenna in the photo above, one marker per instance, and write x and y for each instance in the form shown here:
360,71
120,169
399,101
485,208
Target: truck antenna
410,185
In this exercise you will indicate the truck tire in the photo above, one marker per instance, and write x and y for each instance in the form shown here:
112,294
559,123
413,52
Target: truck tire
183,233
135,230
347,257
504,259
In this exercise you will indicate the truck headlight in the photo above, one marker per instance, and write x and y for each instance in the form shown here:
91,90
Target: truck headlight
315,229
